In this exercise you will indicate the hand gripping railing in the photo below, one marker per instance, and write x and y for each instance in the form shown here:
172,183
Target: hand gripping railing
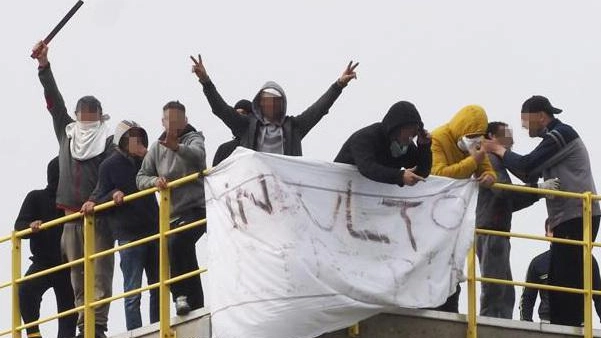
88,262
586,243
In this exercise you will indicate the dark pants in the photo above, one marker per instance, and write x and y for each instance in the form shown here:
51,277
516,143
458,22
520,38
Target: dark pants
134,262
566,270
30,297
452,303
182,258
496,300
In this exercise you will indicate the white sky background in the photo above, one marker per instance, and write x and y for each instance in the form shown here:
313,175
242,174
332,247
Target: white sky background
440,55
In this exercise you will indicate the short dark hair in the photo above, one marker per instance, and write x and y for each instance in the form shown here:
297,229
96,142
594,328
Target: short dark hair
493,128
89,102
174,105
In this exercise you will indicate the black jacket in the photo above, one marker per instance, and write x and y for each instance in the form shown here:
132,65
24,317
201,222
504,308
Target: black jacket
132,220
369,148
45,245
538,272
225,150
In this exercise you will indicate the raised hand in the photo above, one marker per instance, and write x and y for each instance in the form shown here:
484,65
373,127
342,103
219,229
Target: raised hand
199,69
348,74
171,141
40,52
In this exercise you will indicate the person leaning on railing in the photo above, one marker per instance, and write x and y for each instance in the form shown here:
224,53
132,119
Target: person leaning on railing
38,207
456,153
561,154
180,151
83,144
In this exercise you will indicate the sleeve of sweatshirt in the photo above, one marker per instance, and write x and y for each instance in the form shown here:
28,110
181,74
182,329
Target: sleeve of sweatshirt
363,152
424,159
148,175
528,295
441,166
105,187
236,122
306,120
523,165
54,101
193,151
27,214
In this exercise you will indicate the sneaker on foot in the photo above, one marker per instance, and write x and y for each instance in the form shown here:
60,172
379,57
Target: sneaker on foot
182,307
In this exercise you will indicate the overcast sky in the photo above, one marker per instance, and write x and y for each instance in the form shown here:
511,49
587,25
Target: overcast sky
440,55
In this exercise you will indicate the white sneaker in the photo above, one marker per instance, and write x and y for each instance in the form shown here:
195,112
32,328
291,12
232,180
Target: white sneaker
182,307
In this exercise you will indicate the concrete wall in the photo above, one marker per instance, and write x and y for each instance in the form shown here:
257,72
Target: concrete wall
405,323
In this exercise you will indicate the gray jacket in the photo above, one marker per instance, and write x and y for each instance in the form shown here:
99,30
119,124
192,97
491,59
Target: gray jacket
163,162
295,128
495,206
77,179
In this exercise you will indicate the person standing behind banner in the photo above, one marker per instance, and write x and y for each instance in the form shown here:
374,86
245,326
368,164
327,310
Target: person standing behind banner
561,154
494,212
242,107
83,145
456,153
385,151
268,129
180,151
39,207
132,221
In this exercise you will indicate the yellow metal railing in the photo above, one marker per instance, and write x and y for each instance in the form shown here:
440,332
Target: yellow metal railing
586,243
88,261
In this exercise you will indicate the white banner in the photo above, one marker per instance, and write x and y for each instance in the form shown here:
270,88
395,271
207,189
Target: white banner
300,247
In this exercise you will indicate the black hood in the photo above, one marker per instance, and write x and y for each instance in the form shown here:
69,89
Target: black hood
399,114
52,175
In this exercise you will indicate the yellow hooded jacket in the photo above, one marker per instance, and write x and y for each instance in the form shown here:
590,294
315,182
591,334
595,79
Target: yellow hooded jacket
450,161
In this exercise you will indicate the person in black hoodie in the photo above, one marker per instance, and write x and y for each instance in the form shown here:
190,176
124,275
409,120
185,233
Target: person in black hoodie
39,207
132,221
242,107
381,150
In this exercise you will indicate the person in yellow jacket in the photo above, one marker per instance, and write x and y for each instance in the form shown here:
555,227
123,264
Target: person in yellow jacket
456,153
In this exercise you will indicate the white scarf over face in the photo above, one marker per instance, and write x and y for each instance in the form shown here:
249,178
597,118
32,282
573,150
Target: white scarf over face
87,139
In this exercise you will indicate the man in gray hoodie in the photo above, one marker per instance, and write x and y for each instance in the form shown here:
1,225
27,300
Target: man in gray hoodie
179,152
83,145
268,129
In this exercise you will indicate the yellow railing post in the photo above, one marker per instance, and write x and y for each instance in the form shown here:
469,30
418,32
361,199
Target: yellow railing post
164,303
472,326
588,265
16,274
89,248
353,331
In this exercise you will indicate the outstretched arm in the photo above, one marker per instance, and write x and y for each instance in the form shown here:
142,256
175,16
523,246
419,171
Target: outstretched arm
236,122
309,118
54,100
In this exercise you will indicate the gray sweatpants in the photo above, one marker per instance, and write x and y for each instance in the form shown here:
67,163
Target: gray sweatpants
496,300
72,245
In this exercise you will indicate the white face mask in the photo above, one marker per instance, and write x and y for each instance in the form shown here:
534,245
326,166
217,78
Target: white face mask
88,125
398,150
466,143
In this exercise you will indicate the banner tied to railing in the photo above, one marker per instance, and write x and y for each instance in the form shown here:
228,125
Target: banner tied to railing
299,247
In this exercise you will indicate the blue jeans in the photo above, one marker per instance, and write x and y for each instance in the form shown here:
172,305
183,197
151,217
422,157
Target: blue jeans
133,262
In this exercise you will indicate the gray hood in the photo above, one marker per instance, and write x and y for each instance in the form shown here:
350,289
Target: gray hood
256,106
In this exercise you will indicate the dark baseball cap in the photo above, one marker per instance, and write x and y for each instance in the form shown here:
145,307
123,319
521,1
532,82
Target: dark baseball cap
539,103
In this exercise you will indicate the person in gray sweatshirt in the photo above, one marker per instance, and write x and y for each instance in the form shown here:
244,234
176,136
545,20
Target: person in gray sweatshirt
268,128
179,152
83,144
